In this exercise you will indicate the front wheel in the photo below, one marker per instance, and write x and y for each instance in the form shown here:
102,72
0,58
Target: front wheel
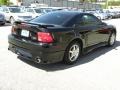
2,24
110,17
12,20
112,39
72,53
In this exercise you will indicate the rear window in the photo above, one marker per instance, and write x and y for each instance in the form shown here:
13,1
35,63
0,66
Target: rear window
53,18
15,10
38,10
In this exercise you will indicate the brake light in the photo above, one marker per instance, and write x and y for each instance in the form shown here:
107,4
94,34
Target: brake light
13,30
23,25
44,37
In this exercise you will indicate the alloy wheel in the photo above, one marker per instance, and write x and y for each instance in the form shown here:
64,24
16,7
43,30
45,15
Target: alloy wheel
12,20
112,39
74,52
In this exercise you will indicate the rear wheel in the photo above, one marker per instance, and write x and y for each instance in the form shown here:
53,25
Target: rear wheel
110,17
12,20
2,24
72,53
112,39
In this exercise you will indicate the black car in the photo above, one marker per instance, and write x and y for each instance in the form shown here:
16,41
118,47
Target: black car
60,36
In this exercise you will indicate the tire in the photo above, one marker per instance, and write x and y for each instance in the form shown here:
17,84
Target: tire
110,17
112,39
12,20
72,53
3,24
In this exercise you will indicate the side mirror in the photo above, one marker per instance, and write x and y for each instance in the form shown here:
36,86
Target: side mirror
76,25
102,23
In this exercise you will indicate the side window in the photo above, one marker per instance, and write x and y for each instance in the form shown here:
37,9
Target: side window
89,20
30,10
5,10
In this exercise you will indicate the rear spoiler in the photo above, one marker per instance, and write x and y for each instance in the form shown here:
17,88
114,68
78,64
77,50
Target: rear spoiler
40,25
17,22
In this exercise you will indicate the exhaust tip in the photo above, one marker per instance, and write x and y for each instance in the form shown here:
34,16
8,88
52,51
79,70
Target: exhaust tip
37,60
17,53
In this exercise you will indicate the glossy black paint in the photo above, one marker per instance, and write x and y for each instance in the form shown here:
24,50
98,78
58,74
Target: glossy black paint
90,34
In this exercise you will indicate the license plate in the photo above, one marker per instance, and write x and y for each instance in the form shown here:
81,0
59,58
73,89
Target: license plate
25,33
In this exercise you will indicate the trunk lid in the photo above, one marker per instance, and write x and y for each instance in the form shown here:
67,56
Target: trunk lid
29,31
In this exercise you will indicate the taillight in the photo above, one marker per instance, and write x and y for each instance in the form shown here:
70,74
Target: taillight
45,37
13,30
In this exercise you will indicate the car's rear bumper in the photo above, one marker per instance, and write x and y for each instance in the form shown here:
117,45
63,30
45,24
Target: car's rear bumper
2,21
33,51
23,19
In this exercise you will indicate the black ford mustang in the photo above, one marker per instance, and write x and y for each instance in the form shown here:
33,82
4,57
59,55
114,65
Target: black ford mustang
60,36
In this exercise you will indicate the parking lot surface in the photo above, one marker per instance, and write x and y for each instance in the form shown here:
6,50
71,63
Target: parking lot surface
98,70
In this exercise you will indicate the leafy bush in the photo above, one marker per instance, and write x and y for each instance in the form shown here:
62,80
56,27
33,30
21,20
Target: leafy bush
114,3
4,2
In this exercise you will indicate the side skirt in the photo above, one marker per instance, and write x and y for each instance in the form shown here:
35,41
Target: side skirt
89,49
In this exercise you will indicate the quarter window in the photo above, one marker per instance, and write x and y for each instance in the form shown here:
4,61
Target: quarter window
30,10
89,20
5,10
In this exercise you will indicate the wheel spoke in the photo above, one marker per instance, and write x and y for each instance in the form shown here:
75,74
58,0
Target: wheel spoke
71,52
71,57
74,47
74,52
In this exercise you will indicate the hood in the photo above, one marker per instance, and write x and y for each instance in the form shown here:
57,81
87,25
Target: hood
36,15
21,14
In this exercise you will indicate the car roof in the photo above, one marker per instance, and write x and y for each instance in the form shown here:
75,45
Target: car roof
71,12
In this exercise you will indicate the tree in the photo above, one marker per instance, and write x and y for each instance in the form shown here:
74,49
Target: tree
106,4
4,2
93,0
81,1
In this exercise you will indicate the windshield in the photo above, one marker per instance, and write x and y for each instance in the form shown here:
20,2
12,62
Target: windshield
47,10
15,10
53,18
38,10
